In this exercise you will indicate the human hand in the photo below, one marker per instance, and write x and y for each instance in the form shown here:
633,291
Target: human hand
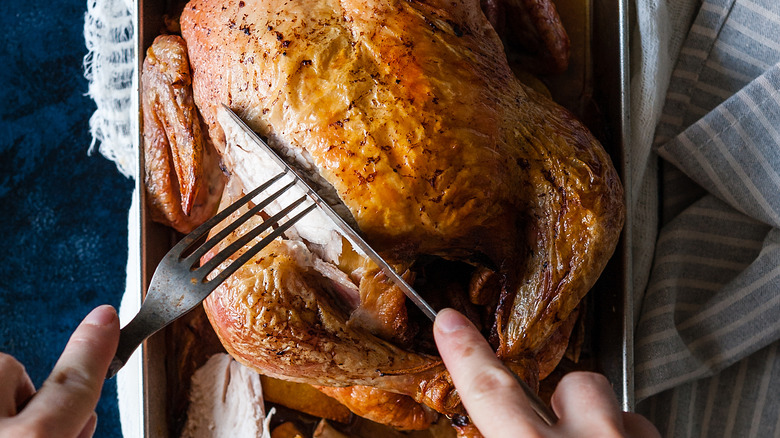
584,402
65,404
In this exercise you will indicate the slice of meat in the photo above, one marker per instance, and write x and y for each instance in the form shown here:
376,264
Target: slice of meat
226,400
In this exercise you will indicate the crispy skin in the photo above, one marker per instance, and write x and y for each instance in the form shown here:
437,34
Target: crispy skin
384,407
181,175
410,111
280,319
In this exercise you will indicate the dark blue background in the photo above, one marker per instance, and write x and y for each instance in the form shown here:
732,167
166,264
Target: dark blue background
63,213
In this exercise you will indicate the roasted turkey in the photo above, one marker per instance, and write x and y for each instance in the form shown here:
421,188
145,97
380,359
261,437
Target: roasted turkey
488,196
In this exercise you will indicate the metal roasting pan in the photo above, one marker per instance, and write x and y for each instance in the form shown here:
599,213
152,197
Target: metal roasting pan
600,86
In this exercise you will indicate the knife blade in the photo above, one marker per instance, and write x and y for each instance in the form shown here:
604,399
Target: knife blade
347,230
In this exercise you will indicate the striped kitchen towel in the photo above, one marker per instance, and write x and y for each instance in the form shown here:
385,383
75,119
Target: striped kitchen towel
706,359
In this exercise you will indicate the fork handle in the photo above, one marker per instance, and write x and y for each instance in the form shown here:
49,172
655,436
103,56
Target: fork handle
130,337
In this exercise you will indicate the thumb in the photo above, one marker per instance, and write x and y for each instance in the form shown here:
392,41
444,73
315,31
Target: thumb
67,399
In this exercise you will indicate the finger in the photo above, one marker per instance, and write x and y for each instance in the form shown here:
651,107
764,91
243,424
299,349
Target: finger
17,387
489,392
585,401
89,429
638,426
76,380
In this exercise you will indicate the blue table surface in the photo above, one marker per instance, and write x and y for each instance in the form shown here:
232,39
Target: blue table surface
63,213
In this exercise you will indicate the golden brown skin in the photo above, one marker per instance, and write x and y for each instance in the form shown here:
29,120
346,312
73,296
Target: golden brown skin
182,178
282,320
396,410
294,320
410,111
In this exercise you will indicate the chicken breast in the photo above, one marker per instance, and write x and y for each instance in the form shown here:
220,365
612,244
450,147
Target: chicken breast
411,113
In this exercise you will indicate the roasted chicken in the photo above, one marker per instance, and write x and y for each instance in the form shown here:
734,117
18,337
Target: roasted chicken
488,196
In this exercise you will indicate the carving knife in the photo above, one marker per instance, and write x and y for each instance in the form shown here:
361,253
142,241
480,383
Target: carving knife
347,230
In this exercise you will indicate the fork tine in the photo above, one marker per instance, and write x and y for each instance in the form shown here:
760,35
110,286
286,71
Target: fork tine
251,252
203,229
191,259
210,265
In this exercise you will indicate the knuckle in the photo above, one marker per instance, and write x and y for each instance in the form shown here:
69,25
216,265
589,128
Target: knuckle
584,377
11,369
15,429
9,363
586,383
72,378
85,338
611,430
489,382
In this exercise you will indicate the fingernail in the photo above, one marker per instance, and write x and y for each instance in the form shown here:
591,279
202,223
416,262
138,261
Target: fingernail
89,427
101,316
450,320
